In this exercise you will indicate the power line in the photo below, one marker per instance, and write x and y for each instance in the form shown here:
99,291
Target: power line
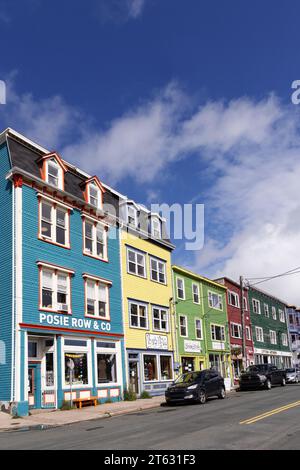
269,278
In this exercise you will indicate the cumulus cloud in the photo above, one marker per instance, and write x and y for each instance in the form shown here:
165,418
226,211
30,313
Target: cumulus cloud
120,11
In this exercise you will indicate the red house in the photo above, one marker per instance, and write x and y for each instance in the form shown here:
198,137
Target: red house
234,312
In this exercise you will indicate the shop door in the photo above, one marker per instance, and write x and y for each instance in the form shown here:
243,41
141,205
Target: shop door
134,376
188,364
34,385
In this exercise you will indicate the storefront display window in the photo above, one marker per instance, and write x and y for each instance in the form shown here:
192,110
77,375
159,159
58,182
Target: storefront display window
80,372
150,368
107,368
49,370
166,368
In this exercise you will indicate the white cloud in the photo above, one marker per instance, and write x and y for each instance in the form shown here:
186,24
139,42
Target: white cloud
135,7
119,11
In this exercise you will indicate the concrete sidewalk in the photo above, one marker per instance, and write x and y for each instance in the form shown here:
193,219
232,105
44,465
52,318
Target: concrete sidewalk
59,418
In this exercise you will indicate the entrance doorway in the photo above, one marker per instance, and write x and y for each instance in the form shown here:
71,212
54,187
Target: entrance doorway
188,364
134,376
34,385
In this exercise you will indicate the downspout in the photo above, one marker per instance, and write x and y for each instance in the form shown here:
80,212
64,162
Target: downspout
13,300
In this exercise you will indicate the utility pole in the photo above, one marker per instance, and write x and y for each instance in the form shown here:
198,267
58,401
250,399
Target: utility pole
243,321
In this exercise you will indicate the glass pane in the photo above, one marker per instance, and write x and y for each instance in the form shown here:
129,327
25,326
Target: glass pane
46,212
80,371
47,298
49,370
61,217
102,309
150,368
88,230
102,292
107,368
166,368
32,349
60,235
46,229
47,279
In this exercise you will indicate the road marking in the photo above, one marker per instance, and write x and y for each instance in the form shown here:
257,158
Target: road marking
270,413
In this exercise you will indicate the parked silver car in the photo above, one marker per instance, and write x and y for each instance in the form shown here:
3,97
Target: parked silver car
292,375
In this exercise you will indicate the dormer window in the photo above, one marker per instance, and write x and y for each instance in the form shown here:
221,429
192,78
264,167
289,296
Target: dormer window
131,216
94,195
53,173
53,170
155,227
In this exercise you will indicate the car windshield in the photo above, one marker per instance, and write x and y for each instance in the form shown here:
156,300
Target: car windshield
257,368
291,370
190,377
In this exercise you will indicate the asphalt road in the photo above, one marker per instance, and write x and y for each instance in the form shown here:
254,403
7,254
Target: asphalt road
215,425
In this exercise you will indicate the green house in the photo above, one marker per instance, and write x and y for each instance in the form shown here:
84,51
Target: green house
201,323
269,329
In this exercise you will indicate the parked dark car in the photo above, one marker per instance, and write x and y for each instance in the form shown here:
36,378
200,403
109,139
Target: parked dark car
196,387
262,376
292,375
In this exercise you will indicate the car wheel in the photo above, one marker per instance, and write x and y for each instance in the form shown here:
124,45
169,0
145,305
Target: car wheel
222,393
296,380
268,384
202,397
283,382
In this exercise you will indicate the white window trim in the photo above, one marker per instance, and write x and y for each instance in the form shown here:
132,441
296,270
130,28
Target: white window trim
143,304
117,352
134,215
230,292
281,315
274,313
266,310
99,198
135,251
178,278
60,173
159,375
248,333
96,282
154,229
77,349
286,342
258,303
232,324
54,206
222,328
95,224
157,307
220,300
195,284
198,319
55,272
186,326
272,337
157,260
259,329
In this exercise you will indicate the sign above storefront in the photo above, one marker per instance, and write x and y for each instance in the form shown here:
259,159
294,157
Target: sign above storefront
64,321
192,346
156,342
218,345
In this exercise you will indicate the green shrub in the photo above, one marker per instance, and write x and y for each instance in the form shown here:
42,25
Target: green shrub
129,395
66,405
145,394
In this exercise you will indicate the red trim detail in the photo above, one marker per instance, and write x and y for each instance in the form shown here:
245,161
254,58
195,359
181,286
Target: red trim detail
68,330
18,181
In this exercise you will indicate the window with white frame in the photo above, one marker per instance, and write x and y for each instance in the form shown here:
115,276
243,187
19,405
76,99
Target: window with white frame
180,288
138,315
54,174
76,352
245,303
183,326
273,337
217,332
196,294
158,270
97,298
155,227
259,334
274,313
236,330
160,319
131,216
54,223
256,306
281,315
233,299
198,328
284,339
94,194
55,290
266,310
248,333
136,262
95,239
215,300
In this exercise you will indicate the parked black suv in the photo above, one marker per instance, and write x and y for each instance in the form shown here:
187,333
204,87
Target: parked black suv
262,376
196,386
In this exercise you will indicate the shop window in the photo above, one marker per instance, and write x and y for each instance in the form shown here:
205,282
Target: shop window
95,239
150,368
107,368
166,368
54,223
158,270
80,371
75,342
138,315
136,262
160,319
32,349
49,370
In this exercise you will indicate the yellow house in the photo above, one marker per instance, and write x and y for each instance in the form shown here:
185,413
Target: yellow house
147,296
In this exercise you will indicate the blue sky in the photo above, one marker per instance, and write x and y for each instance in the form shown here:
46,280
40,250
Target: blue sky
171,101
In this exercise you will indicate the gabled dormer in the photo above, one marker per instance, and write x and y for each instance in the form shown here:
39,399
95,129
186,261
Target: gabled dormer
130,213
53,170
93,192
155,226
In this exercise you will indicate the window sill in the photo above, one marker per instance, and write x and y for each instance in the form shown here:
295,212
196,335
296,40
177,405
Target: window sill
42,239
105,260
49,310
86,315
139,328
137,275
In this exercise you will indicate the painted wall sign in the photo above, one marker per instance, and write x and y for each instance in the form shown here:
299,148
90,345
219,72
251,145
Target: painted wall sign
218,346
63,321
192,346
156,341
